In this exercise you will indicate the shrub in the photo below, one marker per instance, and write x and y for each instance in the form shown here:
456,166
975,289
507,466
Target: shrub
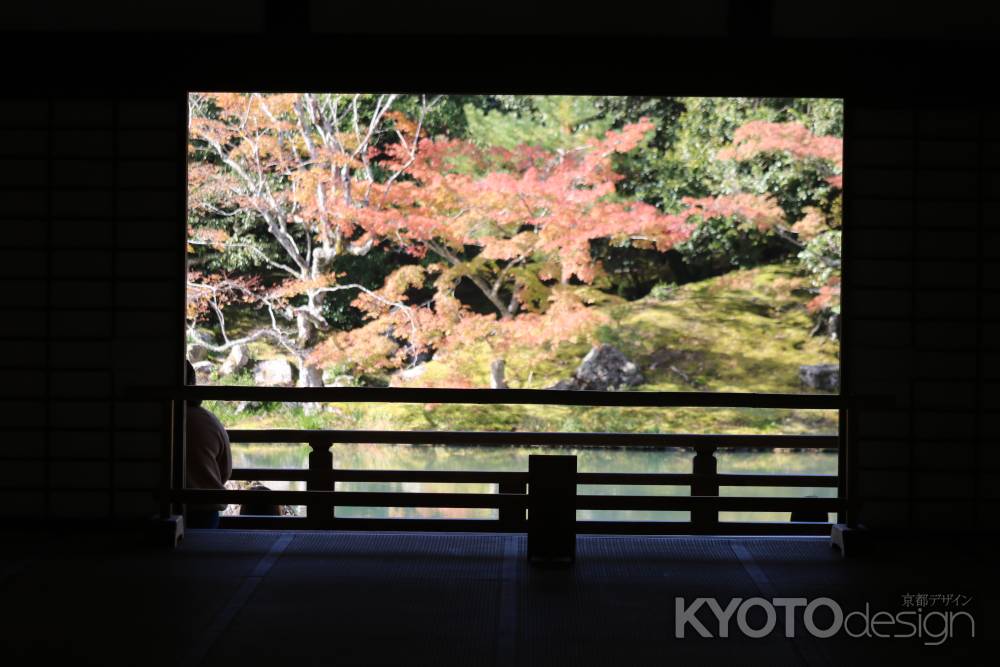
663,291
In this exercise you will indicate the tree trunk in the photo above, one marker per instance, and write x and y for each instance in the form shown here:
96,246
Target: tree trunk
309,376
303,330
497,374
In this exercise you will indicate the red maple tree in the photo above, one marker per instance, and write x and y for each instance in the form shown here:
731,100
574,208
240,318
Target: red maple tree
320,175
817,234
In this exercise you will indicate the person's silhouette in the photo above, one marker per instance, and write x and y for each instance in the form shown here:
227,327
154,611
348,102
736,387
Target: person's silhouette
209,458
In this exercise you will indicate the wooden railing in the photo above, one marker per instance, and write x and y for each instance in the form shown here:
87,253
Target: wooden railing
513,493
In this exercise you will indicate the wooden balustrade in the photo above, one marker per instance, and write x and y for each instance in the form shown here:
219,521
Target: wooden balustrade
511,498
512,495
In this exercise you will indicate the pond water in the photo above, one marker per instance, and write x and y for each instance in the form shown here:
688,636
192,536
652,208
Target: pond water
435,457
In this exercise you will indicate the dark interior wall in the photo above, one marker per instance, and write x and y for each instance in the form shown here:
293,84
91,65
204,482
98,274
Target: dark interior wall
91,206
923,184
91,203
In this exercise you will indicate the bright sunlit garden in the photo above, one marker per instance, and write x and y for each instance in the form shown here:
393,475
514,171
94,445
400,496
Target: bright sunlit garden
503,241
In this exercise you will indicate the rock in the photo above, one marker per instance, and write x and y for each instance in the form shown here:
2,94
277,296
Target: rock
605,368
203,371
273,373
498,378
833,326
328,376
822,377
237,360
565,384
413,373
197,352
330,380
204,336
243,406
311,377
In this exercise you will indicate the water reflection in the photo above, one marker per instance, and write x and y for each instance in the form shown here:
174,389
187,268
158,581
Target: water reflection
434,457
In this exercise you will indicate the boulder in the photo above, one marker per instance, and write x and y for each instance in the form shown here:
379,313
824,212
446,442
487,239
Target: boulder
821,377
310,376
202,336
237,360
413,373
333,379
833,326
605,368
203,371
273,373
197,352
565,384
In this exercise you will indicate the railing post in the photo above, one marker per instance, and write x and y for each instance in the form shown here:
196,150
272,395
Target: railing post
178,445
167,457
551,508
511,519
320,514
809,516
706,483
850,457
168,529
842,416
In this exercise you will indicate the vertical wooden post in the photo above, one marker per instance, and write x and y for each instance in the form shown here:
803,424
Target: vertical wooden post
511,519
850,456
168,529
179,446
842,476
706,483
551,508
320,514
167,458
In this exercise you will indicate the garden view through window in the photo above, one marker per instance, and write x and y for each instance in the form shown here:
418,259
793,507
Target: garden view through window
594,243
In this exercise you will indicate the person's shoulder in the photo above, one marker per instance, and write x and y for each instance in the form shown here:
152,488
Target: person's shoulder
198,414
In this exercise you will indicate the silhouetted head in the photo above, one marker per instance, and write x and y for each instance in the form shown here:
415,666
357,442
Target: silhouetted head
191,378
260,509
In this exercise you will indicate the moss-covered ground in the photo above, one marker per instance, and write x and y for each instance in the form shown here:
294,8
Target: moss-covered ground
745,331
